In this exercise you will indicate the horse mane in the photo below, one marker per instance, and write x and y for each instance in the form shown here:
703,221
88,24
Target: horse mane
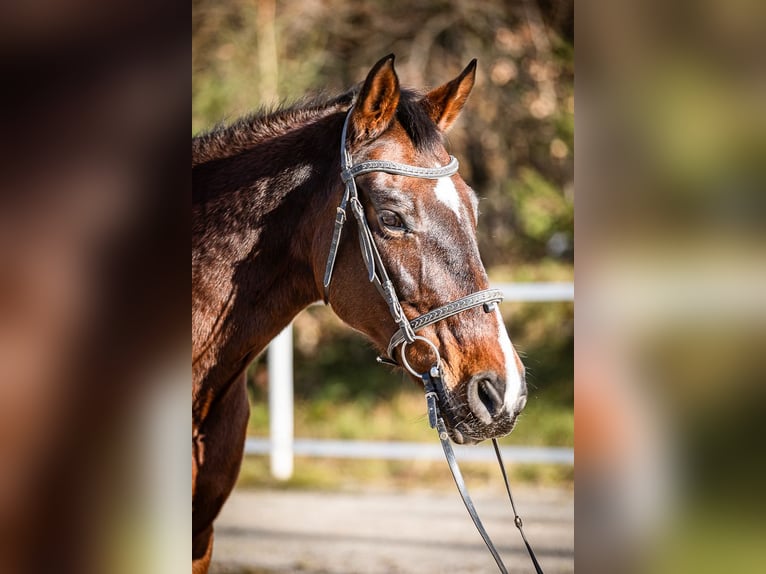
223,140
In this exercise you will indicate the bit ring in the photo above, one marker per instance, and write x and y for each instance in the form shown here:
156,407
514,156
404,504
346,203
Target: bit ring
404,355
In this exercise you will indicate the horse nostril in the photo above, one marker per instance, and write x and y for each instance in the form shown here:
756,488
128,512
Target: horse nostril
486,396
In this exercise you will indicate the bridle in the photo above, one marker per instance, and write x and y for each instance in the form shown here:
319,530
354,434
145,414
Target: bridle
376,270
405,334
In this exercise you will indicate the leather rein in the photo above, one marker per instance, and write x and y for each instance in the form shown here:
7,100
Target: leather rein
405,334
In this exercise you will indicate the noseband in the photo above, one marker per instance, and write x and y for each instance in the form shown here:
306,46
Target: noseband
376,270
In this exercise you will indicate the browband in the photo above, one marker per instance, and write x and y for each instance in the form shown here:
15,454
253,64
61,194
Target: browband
401,169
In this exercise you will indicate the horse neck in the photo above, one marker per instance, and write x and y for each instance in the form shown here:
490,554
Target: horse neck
255,221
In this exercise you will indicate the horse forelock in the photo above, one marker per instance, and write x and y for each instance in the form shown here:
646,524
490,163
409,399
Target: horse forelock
414,118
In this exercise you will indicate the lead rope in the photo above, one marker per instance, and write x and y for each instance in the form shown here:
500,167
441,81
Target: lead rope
437,422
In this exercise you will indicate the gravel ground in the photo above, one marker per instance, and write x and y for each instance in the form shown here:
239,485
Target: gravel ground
269,532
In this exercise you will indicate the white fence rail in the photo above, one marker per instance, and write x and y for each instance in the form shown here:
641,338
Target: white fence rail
282,446
362,449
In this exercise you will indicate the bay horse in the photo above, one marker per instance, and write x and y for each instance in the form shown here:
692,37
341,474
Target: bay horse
267,242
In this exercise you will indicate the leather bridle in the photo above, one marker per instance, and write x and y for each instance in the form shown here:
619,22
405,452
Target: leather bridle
376,270
405,334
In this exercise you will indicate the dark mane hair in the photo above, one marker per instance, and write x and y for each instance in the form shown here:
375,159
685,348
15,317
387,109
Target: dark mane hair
224,140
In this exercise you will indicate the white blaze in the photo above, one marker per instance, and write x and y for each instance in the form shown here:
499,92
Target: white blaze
512,376
447,193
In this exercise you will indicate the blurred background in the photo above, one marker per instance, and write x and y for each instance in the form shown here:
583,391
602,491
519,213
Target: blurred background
515,143
671,286
670,211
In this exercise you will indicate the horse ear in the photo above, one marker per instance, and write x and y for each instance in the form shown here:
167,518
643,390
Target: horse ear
445,102
376,105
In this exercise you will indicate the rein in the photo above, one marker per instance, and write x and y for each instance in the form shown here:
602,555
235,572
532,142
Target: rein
405,334
430,380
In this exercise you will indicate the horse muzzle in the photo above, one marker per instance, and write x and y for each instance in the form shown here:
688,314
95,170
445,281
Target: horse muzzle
485,413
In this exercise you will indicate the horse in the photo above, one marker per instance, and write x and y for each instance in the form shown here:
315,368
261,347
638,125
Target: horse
271,194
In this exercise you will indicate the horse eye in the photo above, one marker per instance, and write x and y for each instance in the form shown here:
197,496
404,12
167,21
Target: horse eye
391,220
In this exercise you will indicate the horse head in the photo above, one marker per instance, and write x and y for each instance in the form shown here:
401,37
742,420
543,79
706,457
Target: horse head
424,230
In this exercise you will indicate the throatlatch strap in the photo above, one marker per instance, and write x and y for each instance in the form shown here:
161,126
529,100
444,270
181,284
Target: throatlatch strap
340,220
